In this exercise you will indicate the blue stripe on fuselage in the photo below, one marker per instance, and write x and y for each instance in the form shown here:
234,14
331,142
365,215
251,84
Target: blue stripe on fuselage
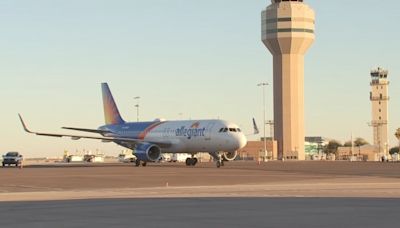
128,130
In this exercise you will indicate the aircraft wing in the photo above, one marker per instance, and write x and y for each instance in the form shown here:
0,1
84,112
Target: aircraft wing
104,139
87,130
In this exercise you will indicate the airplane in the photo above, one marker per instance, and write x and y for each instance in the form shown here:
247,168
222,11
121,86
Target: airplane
148,140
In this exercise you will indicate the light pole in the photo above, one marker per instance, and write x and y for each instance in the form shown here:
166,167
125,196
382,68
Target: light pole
263,85
271,132
137,108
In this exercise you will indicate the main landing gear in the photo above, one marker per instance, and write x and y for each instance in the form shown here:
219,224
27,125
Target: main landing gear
191,161
137,163
217,156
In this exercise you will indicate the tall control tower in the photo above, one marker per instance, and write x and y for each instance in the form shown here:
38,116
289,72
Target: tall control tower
288,31
379,98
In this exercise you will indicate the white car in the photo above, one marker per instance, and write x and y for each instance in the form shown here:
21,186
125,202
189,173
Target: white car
126,158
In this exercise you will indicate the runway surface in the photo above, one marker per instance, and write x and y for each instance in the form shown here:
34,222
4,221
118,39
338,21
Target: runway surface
241,194
204,212
236,179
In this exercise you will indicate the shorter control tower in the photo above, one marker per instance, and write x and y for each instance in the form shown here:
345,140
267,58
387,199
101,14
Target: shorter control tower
379,98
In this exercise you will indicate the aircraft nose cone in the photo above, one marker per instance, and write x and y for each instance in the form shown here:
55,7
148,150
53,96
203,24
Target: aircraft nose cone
241,141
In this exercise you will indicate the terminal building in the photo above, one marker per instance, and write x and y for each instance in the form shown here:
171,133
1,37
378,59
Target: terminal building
254,150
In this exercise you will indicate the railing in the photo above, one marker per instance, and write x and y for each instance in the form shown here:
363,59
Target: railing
386,98
379,123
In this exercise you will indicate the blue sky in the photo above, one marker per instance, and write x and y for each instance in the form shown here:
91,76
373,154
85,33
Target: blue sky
200,58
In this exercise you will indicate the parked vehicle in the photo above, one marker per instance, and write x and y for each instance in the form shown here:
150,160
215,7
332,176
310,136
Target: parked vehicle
74,158
12,158
126,158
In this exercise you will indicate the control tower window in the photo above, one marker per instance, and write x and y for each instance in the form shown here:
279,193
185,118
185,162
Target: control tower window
276,1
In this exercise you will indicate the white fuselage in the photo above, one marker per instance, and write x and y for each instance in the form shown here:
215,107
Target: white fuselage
189,136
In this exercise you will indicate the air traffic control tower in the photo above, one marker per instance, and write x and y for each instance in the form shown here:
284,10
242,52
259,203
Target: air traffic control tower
380,98
288,32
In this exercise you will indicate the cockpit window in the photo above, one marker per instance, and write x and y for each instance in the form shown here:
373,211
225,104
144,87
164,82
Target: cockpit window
225,129
239,130
221,130
232,129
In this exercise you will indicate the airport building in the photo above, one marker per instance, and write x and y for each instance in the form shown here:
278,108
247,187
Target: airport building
254,150
358,153
288,32
313,147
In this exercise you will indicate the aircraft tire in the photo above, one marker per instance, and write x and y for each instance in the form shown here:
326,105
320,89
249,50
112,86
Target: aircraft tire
188,161
144,164
218,164
137,163
194,161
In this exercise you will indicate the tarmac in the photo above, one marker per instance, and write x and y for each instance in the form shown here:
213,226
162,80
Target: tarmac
204,212
240,194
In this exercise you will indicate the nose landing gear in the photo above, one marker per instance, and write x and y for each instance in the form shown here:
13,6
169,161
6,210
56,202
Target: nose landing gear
217,156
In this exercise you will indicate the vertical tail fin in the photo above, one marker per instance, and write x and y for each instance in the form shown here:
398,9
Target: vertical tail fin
255,128
111,113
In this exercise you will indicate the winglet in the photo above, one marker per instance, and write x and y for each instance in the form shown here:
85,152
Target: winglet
256,131
23,124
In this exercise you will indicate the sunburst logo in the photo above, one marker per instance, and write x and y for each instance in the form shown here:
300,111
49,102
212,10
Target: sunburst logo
195,125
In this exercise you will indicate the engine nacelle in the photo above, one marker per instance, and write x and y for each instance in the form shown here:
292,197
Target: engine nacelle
147,152
229,156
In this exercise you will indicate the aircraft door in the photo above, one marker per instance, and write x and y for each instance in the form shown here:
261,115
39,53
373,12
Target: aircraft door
209,131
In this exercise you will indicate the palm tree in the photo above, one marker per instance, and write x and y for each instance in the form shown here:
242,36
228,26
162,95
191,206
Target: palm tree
397,134
360,142
394,150
332,147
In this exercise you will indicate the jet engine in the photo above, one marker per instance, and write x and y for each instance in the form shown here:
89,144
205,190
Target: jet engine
229,156
147,152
